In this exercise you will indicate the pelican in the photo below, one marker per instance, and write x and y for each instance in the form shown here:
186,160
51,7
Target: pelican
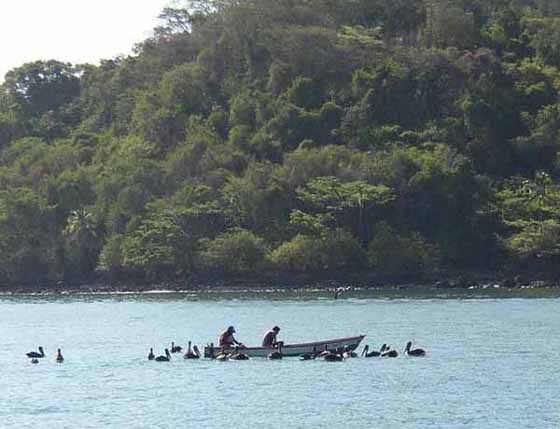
389,353
151,355
309,356
41,353
165,358
237,355
276,354
348,353
59,358
333,357
325,352
413,352
190,354
175,349
338,292
222,356
373,353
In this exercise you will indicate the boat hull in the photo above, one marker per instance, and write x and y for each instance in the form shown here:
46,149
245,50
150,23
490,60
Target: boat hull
293,349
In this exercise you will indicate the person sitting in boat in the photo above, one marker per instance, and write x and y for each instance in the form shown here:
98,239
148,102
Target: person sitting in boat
228,340
269,339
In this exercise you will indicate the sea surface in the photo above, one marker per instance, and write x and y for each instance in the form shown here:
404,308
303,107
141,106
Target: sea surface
493,361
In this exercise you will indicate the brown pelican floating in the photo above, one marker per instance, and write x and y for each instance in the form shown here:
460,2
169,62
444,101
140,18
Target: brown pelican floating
373,353
389,353
175,349
325,352
190,354
413,352
276,354
165,358
41,353
237,355
338,292
222,356
309,356
348,353
333,357
59,358
151,355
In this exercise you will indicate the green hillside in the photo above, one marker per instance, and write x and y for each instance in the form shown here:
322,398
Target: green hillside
392,139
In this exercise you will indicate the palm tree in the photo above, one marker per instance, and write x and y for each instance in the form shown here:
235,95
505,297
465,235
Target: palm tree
82,240
81,224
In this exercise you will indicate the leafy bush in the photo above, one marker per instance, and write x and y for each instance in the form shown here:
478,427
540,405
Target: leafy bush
153,248
334,251
235,252
538,239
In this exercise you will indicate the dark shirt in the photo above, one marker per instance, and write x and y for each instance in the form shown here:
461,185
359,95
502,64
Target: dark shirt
269,339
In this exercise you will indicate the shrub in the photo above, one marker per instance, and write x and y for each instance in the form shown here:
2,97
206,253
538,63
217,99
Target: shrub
301,254
536,240
333,251
235,252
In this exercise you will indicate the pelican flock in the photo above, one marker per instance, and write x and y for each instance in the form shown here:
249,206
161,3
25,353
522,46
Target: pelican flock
193,352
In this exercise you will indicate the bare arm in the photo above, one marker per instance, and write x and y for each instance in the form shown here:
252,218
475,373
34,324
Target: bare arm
240,344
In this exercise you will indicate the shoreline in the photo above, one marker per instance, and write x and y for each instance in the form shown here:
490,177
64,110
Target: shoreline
457,283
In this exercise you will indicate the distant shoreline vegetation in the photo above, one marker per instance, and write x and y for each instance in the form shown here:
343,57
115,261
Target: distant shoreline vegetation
383,141
463,283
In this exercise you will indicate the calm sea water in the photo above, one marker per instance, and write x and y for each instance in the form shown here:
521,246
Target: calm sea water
493,362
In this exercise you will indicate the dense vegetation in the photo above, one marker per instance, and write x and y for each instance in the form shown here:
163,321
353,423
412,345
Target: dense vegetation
391,138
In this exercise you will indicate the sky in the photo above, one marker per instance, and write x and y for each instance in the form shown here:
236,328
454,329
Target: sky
75,31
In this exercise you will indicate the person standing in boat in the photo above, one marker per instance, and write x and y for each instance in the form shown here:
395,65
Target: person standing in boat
269,339
228,340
